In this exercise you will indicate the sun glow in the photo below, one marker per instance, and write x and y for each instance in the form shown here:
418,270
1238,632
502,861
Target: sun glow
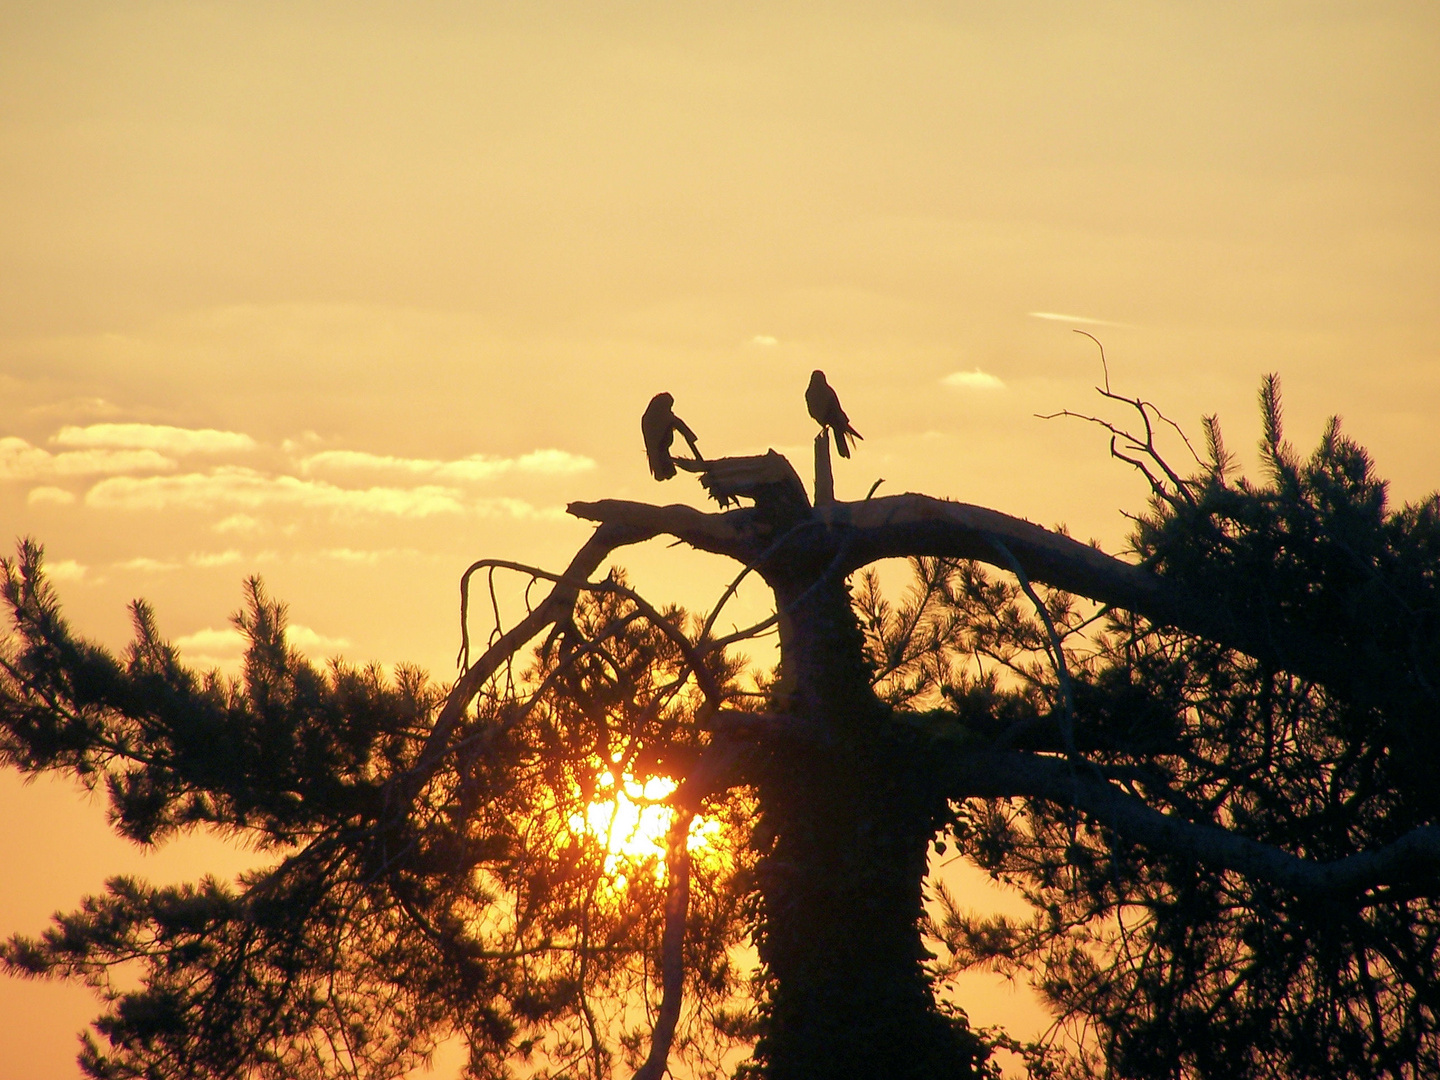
631,820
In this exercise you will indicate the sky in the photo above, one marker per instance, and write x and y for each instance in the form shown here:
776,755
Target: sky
349,295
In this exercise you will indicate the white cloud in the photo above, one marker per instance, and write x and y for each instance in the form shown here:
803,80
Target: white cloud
307,440
21,461
72,407
475,468
363,558
159,437
765,340
58,496
519,509
212,647
202,559
550,461
242,487
237,523
145,565
307,640
973,380
1053,316
65,570
227,642
215,558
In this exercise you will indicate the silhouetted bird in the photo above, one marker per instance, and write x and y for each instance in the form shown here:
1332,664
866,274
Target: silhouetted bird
825,407
659,425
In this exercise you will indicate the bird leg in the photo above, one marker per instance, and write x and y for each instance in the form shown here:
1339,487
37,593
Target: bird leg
689,437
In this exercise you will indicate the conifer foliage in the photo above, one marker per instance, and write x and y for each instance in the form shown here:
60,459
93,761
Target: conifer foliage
1209,768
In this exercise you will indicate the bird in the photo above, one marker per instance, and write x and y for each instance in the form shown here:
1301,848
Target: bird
824,406
659,425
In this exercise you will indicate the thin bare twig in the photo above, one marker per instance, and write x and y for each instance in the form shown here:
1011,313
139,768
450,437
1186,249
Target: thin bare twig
672,946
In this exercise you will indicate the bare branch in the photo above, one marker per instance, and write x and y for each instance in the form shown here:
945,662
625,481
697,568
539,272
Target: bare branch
672,946
720,534
899,526
557,605
1006,774
1057,649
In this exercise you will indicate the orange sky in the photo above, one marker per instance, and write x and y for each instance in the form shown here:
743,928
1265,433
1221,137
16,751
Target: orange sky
348,295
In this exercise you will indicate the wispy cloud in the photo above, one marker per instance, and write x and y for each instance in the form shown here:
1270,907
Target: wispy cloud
363,558
765,340
234,485
201,559
143,564
21,461
141,470
249,489
73,407
1055,316
553,462
216,647
206,559
65,570
227,642
238,523
159,437
307,640
472,469
55,495
973,380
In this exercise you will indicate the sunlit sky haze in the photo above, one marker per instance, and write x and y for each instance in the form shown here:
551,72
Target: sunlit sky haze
350,295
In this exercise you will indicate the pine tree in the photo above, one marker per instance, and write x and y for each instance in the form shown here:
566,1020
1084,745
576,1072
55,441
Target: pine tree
1210,769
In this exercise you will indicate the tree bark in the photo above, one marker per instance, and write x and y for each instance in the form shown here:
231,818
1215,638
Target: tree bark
846,828
824,475
1413,857
903,525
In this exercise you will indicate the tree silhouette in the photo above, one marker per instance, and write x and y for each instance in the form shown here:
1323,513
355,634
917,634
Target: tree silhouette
1210,769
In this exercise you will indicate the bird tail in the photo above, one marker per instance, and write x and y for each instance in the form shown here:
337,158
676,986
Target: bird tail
840,443
661,467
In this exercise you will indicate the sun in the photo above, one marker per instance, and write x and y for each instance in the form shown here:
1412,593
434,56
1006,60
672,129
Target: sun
631,820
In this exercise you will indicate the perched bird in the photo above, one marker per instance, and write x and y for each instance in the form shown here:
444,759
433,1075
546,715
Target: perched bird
659,425
825,407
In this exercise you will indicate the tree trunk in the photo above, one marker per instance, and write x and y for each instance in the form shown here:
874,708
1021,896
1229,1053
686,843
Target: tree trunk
845,831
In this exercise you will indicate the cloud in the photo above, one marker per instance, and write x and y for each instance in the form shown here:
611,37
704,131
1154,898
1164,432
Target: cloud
65,570
237,523
973,380
249,489
236,486
765,340
553,462
212,647
213,642
21,461
58,496
158,437
80,406
518,509
202,559
1053,316
363,558
475,468
145,565
214,558
307,640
